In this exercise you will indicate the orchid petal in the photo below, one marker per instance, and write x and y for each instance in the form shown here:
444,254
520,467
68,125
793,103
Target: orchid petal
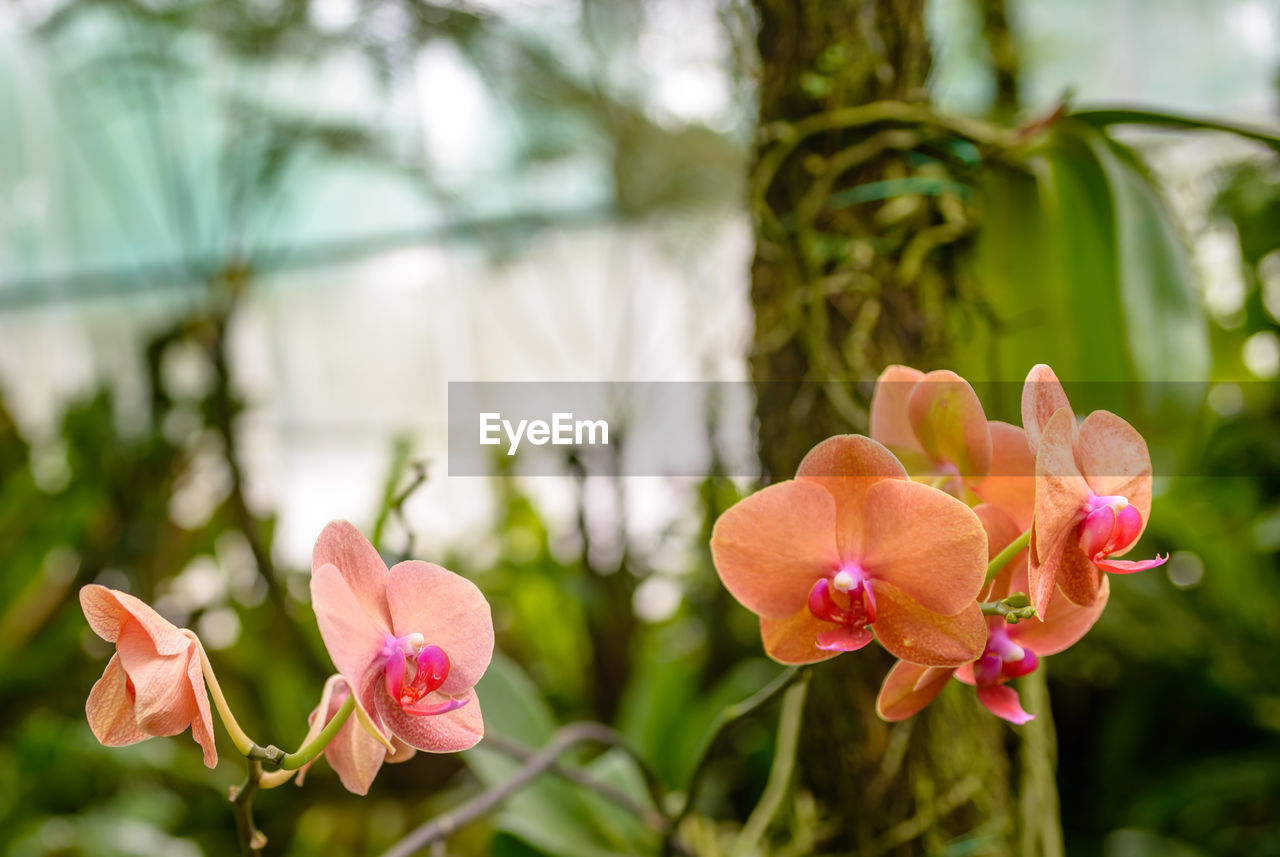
926,543
1042,577
920,636
109,611
345,547
794,639
110,711
1096,530
353,636
1115,460
202,723
1001,532
890,417
1002,701
1122,566
1064,623
354,754
986,670
847,466
1012,485
949,421
844,639
1023,666
770,547
163,702
450,612
1127,530
1042,397
908,688
451,732
1078,577
1061,492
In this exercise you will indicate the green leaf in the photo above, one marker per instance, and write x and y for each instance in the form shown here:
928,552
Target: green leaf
1166,331
1083,269
1104,117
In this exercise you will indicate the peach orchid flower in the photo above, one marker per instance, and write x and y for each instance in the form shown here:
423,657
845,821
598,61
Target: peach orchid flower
850,549
153,684
1011,650
412,642
1093,493
935,425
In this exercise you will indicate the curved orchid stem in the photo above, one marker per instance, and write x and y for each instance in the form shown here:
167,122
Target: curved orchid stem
1002,559
727,718
784,765
243,742
314,747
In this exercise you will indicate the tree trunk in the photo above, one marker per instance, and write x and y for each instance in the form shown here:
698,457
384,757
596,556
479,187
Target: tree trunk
852,273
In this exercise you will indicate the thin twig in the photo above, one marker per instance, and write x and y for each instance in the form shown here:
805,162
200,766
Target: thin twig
444,826
516,750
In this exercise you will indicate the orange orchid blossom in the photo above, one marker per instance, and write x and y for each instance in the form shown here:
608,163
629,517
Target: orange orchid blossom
1011,650
852,549
1092,498
153,684
934,423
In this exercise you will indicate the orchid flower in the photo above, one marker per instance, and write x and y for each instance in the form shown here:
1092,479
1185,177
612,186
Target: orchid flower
1011,650
410,642
935,425
153,685
850,549
1093,493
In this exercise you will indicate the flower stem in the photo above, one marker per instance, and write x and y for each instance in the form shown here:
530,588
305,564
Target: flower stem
243,742
314,747
1002,559
727,718
252,840
784,765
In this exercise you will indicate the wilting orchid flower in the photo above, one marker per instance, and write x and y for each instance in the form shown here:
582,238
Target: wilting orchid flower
153,684
1011,650
353,753
1093,493
849,543
937,428
412,642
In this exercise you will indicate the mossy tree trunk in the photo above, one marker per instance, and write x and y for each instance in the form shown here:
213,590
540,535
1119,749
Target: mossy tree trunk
857,235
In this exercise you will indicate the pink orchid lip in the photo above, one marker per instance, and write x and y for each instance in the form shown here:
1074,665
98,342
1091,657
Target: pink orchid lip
1003,659
430,670
845,599
1110,525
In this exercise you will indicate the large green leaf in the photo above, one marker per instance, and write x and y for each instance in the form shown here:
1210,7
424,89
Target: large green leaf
1083,268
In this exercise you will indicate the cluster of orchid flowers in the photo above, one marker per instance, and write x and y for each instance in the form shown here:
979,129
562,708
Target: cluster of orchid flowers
969,548
409,645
